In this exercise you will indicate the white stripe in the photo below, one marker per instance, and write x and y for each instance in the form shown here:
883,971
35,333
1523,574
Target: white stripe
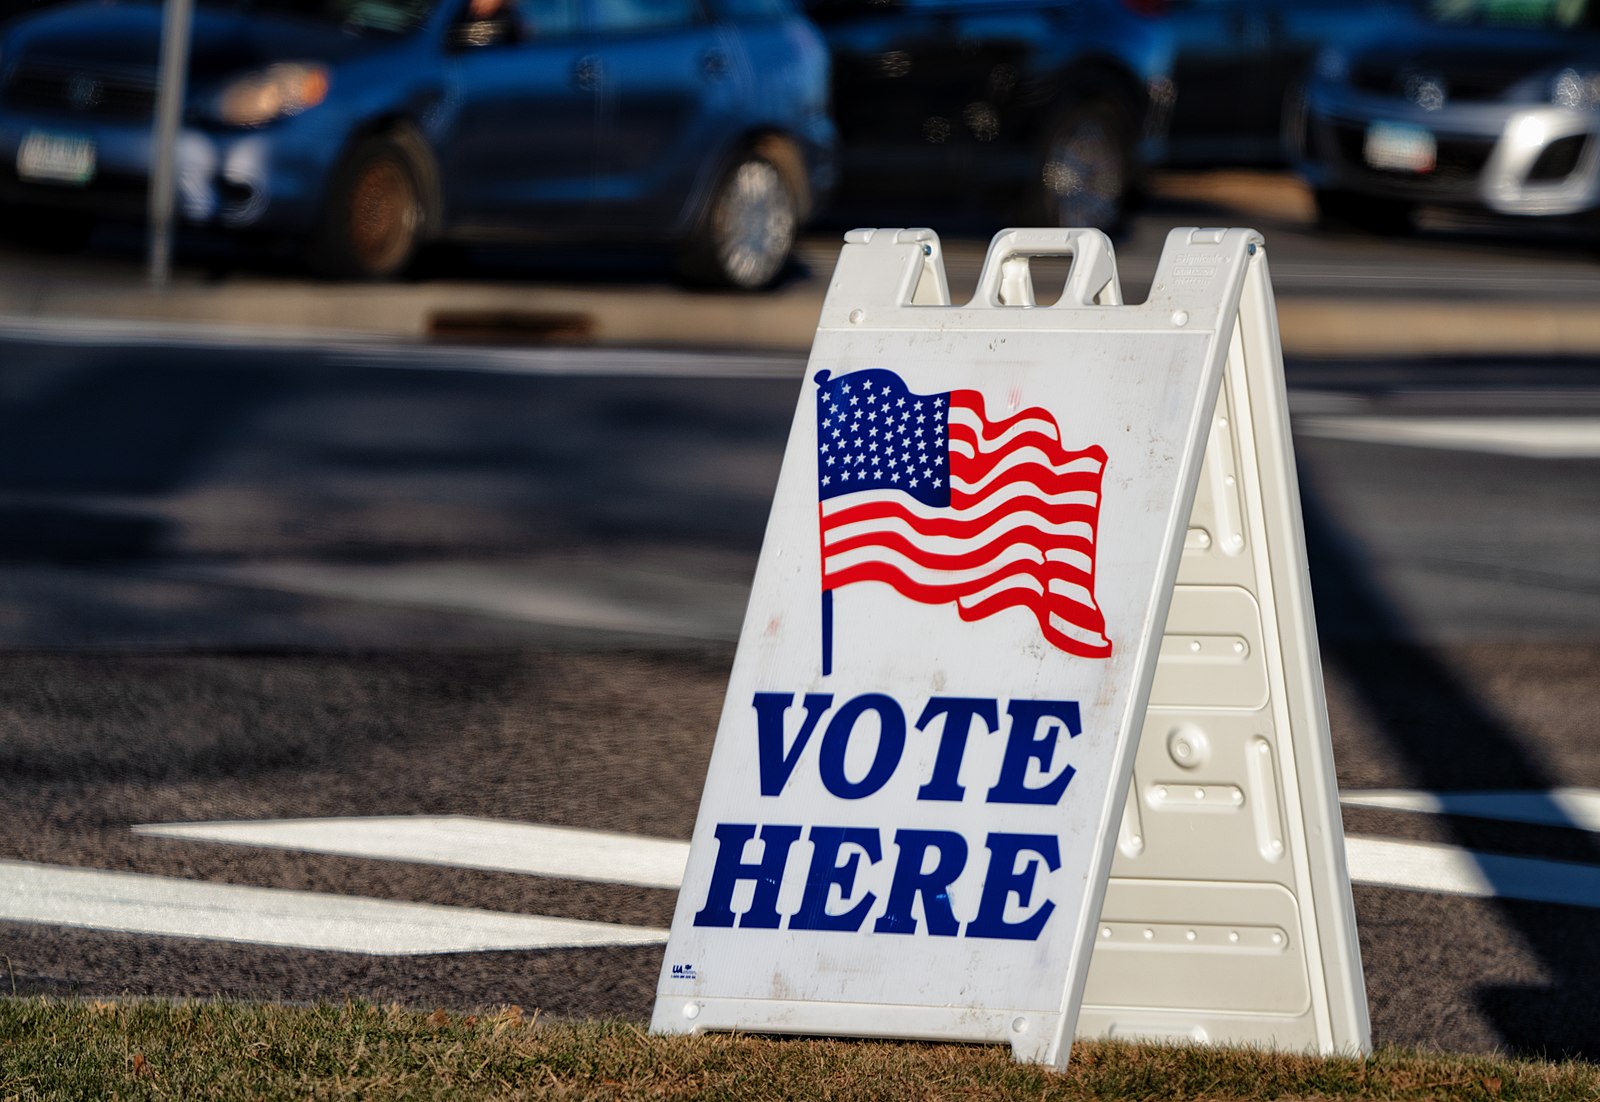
1527,437
461,842
1016,581
1578,808
157,905
832,505
1072,591
958,545
834,564
1452,870
1077,631
970,419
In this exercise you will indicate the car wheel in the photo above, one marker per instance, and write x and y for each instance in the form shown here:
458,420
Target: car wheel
1086,167
1344,210
749,230
373,219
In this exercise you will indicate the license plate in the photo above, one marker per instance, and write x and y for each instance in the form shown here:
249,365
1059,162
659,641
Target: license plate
56,159
1400,147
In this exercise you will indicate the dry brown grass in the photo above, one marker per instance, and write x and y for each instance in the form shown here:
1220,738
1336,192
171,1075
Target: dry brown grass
158,1050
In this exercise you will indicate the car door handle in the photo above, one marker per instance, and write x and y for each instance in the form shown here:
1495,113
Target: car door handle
714,64
586,73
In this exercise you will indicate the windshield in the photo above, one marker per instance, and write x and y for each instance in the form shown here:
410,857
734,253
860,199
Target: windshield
378,15
1553,15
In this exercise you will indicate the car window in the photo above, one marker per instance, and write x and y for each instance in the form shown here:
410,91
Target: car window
623,16
754,9
374,15
548,18
1537,14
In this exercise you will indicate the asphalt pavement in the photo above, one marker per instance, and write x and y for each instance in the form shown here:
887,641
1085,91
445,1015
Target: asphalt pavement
472,551
366,579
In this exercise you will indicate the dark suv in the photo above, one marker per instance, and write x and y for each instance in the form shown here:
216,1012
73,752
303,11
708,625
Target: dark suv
1053,108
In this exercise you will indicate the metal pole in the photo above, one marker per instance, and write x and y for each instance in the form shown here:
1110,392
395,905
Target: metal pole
164,138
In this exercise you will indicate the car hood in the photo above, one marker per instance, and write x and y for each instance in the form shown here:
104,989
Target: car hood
126,37
1472,63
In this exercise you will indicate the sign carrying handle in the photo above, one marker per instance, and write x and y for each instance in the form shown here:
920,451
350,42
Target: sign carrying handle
1007,280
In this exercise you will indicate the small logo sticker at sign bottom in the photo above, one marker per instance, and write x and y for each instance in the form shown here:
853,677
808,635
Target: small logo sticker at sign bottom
684,972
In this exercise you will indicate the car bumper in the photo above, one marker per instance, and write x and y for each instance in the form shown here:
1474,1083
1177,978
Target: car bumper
268,180
1524,160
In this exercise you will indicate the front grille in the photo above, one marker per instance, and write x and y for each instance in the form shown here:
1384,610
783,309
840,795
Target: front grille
73,92
1482,79
1458,158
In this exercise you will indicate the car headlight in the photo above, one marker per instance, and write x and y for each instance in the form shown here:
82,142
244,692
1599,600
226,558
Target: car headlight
287,88
1331,65
1578,89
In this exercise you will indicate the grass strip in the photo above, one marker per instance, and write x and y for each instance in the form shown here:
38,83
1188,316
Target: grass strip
53,1048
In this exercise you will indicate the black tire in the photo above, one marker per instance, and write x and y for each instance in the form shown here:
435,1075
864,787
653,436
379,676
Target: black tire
748,232
373,219
1086,167
1345,210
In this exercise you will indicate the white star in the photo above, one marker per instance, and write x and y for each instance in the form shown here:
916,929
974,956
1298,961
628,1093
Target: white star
854,400
901,402
830,460
913,484
826,480
937,402
917,404
938,482
845,387
845,477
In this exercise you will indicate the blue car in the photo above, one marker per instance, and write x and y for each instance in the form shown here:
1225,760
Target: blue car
366,129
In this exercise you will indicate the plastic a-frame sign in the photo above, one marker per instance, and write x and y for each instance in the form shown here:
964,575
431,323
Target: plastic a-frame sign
1025,736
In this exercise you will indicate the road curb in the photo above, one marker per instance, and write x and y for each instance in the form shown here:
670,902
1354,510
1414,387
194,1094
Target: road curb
545,316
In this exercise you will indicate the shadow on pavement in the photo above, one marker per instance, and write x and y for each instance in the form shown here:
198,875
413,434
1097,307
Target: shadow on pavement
1446,738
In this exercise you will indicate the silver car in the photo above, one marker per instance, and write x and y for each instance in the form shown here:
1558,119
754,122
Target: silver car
1492,105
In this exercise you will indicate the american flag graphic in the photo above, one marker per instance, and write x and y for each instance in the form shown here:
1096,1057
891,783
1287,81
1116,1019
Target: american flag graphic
924,493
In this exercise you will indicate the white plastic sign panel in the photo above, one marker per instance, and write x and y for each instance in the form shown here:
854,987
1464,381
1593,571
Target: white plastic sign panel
925,749
1228,917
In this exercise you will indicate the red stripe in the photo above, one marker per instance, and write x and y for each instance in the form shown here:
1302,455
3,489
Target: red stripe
966,525
1085,617
966,560
1041,572
1037,475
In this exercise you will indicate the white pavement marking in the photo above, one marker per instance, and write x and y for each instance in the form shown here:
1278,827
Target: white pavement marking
461,843
1451,870
1526,437
140,904
1563,807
